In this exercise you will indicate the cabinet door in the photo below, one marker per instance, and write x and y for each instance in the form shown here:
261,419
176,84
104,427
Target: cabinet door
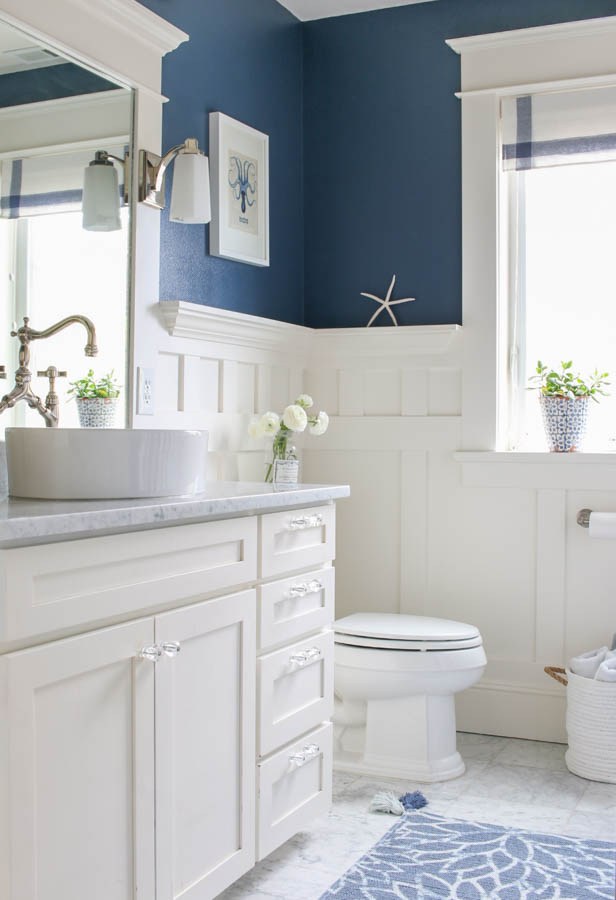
205,748
77,736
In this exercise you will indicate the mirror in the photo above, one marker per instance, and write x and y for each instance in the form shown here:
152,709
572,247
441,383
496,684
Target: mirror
54,116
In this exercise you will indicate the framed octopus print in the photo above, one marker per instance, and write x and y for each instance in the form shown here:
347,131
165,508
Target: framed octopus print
239,159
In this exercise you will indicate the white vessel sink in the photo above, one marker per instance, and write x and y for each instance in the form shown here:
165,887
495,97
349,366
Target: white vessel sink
104,463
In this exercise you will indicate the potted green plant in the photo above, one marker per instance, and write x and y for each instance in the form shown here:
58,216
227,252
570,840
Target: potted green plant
96,400
564,397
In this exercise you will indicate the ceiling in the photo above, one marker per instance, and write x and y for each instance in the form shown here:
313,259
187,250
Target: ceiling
322,9
19,52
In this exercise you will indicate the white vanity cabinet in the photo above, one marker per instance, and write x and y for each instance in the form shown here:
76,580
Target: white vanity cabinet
184,732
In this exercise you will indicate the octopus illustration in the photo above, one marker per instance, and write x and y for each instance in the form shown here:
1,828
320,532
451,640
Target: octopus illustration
243,181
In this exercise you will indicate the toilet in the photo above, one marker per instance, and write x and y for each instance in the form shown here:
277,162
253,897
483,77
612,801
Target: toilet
395,680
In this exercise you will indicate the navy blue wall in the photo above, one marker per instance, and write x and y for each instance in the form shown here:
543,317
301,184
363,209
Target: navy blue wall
371,186
244,59
382,153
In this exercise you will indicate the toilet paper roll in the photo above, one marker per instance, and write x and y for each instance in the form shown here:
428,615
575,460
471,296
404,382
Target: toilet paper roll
602,525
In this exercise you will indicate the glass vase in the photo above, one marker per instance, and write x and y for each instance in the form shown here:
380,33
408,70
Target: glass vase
283,468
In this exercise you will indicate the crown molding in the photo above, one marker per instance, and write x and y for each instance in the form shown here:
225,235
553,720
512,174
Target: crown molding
539,34
207,323
135,18
403,340
544,58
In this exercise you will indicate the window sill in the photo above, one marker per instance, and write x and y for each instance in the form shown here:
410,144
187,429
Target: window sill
539,470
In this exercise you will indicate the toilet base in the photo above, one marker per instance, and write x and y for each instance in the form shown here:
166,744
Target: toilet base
402,737
355,764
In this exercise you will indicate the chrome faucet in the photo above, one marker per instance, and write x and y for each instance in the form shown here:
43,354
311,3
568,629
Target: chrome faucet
50,410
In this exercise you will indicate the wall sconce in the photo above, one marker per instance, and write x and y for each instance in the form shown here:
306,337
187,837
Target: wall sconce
101,193
190,193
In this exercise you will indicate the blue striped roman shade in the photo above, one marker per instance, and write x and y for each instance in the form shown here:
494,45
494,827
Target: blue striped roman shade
559,128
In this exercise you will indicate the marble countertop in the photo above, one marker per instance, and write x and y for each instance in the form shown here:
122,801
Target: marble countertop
27,522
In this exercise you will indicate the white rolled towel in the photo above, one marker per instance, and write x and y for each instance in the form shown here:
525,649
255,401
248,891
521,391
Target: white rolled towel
587,664
607,669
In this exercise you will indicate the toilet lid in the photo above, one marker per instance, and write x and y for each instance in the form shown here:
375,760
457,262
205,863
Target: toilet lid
398,631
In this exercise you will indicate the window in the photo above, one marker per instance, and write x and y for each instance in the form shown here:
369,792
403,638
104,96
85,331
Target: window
554,61
559,157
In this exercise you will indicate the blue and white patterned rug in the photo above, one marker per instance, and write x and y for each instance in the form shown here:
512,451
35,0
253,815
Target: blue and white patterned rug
428,857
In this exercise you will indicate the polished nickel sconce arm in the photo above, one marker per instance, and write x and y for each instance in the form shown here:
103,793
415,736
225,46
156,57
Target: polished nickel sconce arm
153,168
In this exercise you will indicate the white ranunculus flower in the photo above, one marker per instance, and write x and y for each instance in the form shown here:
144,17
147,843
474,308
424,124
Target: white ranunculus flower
320,425
305,400
270,423
295,418
254,429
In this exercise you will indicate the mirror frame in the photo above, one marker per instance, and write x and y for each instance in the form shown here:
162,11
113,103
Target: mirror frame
125,42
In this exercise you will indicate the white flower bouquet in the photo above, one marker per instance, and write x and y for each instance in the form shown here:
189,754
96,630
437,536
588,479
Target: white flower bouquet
295,419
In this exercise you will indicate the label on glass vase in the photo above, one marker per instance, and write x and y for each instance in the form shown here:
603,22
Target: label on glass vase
286,472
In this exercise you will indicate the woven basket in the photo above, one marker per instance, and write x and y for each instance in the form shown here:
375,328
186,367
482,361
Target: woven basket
591,725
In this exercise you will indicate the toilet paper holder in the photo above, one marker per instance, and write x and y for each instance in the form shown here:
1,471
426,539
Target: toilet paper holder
583,518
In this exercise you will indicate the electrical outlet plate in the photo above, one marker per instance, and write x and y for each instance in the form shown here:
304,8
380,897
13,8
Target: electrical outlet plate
145,391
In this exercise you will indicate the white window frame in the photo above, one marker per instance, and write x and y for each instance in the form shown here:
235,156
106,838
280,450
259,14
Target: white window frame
531,60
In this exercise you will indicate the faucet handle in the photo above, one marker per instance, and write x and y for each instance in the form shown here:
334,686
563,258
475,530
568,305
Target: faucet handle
51,372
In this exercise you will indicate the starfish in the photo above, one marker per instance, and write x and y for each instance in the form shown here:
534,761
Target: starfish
386,303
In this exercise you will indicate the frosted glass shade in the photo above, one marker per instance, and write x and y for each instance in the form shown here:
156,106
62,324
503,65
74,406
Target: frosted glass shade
101,199
190,194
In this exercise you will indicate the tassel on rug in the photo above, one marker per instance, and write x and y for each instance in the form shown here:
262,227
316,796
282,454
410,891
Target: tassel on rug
415,800
387,802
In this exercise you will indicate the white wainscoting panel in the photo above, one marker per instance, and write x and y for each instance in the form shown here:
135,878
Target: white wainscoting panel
415,392
382,392
428,530
414,527
368,556
201,381
550,610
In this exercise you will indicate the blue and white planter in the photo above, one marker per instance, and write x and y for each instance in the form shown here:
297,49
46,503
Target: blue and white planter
97,412
565,422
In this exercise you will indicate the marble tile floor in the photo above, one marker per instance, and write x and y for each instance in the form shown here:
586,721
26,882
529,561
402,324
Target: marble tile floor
523,784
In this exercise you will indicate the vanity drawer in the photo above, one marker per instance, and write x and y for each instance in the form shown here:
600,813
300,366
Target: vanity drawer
296,690
297,539
295,606
56,587
295,785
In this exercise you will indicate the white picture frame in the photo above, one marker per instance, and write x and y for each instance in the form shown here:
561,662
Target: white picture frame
239,160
